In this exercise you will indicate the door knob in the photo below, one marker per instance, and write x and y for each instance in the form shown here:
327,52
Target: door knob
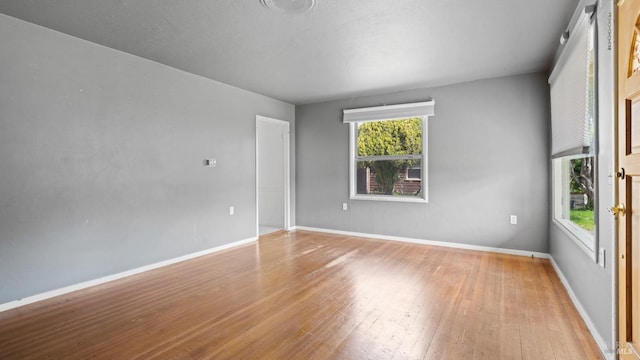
618,210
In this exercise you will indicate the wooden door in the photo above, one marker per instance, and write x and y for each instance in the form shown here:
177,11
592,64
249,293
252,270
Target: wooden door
628,149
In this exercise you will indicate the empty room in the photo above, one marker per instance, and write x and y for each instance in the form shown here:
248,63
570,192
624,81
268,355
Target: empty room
315,179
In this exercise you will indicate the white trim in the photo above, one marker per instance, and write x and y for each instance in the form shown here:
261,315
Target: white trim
68,289
602,344
609,354
577,234
430,242
352,164
389,112
83,285
392,198
389,107
287,175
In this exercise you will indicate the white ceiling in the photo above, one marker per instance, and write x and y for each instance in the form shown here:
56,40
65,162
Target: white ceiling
340,49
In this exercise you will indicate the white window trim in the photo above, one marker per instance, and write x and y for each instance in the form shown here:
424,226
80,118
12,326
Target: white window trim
389,112
424,198
577,234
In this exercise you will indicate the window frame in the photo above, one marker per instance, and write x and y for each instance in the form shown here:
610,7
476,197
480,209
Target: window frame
354,158
561,201
407,177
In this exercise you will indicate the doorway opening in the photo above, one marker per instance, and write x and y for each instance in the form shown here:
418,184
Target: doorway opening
272,175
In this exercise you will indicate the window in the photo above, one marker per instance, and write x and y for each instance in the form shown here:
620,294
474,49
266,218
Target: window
414,173
574,197
385,151
388,151
573,111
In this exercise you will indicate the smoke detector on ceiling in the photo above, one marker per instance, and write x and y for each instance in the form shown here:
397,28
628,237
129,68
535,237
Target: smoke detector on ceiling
289,6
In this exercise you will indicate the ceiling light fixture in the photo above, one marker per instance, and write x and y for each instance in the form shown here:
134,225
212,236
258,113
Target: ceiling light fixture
289,6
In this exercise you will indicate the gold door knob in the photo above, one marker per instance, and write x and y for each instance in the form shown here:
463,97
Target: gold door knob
617,210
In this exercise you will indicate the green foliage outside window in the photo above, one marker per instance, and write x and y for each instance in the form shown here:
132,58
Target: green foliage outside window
395,138
583,218
582,176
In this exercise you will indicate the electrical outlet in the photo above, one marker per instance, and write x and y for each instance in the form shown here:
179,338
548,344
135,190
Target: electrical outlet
210,163
514,219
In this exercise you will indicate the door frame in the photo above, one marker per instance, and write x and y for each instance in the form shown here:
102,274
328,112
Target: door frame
287,171
622,183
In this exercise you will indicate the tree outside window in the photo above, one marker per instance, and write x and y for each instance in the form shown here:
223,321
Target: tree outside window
386,150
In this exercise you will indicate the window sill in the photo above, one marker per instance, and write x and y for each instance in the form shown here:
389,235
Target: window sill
389,198
579,236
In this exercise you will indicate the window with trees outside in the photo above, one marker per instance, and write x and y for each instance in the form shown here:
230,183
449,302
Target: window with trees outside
388,148
385,152
573,110
575,196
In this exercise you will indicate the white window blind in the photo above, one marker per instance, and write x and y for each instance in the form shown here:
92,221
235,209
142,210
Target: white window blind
389,112
570,123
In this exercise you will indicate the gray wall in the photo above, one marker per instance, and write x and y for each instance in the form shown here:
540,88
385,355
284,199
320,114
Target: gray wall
101,160
592,284
488,158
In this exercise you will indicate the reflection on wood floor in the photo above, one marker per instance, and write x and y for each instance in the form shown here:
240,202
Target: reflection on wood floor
306,295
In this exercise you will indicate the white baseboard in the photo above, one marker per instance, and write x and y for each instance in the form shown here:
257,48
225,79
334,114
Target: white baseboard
609,354
65,290
602,344
430,242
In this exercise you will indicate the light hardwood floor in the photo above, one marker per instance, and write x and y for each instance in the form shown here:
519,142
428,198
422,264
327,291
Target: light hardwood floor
306,295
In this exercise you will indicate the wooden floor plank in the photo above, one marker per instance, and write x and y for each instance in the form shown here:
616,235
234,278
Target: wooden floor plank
307,295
